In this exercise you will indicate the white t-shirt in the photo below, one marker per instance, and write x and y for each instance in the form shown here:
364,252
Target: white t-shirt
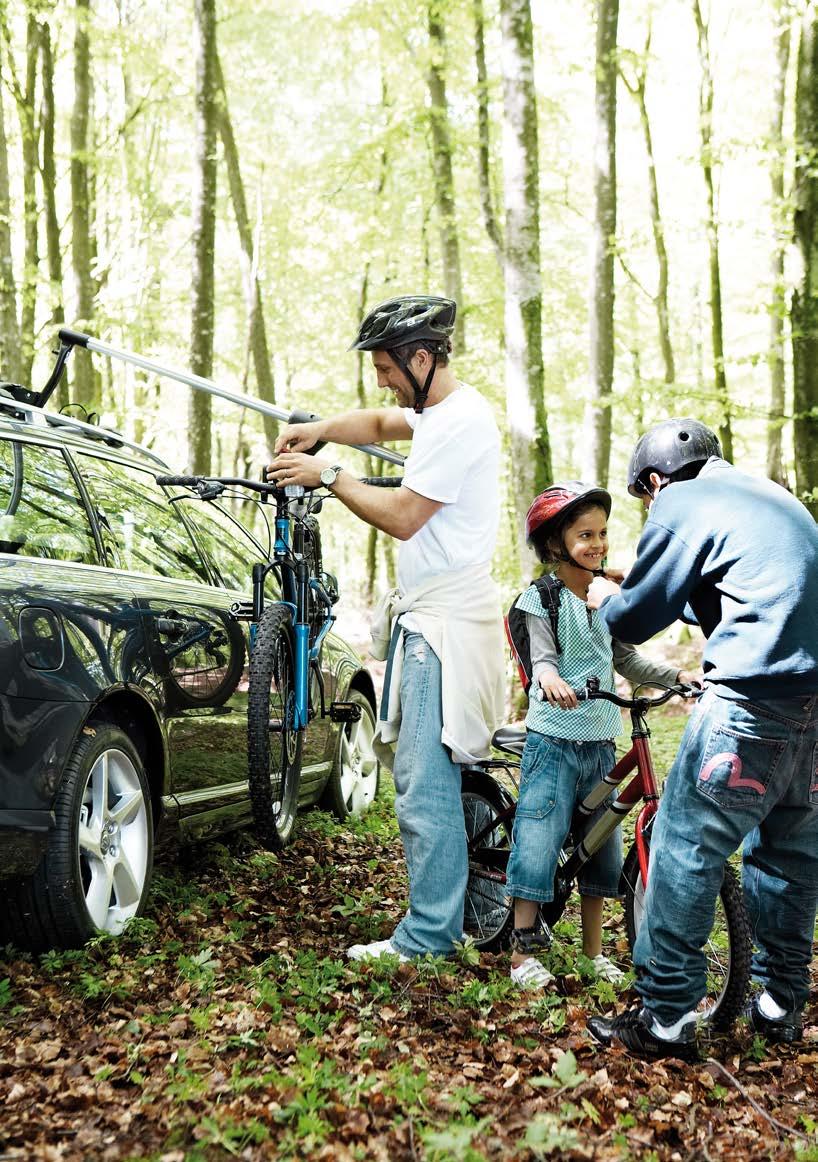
455,458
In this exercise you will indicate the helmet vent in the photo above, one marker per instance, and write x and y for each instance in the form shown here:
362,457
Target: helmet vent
684,435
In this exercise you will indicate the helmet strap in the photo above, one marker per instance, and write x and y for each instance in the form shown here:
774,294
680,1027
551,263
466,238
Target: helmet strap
420,392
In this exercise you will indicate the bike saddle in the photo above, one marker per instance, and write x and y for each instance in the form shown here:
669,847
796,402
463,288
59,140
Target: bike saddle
510,738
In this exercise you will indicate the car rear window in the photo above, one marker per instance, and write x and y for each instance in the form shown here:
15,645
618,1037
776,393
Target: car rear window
141,531
42,513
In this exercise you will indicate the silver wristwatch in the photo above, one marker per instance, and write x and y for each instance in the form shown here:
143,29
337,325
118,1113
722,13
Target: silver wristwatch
330,475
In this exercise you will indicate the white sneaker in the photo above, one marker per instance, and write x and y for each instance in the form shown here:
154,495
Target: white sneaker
531,974
607,969
375,950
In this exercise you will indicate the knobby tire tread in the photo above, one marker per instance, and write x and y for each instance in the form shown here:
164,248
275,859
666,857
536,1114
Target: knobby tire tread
487,792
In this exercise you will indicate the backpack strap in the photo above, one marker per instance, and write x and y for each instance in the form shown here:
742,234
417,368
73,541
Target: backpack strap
548,586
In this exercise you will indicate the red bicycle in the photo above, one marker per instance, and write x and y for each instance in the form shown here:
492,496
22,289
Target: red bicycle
489,807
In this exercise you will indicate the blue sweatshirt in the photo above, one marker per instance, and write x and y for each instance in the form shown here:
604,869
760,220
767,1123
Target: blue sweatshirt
741,555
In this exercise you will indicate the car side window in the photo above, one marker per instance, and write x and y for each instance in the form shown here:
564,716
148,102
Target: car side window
42,513
229,546
142,531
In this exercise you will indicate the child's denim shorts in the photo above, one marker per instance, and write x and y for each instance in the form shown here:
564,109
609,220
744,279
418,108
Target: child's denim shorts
555,775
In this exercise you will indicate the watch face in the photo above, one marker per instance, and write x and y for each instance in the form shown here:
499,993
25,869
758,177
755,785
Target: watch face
328,476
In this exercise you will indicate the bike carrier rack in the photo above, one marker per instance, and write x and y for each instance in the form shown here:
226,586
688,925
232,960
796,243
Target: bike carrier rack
70,339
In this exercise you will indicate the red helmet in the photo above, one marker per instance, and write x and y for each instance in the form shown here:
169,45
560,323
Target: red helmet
556,504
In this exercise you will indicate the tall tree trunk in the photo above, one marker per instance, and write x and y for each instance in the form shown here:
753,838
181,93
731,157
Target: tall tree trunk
10,362
82,244
204,232
49,180
804,310
598,413
29,133
258,331
716,315
778,306
444,177
483,139
525,405
638,89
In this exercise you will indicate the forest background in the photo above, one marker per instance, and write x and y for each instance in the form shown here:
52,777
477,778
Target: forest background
621,198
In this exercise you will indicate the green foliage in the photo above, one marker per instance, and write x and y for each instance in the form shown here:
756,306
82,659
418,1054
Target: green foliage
564,1074
455,1142
546,1135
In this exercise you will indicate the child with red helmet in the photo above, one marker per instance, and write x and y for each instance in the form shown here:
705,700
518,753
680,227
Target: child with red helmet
569,747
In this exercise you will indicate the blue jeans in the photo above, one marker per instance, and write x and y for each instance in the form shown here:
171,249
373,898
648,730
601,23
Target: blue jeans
429,810
744,771
555,775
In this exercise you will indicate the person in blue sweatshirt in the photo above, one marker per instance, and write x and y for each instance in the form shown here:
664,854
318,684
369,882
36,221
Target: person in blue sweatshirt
739,555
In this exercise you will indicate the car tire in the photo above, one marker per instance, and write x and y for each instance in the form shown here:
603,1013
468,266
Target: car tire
96,873
356,773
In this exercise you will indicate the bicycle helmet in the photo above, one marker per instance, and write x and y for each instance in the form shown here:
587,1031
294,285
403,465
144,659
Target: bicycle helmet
409,319
668,447
551,510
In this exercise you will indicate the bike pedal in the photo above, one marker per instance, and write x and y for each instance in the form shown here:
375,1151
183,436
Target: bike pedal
345,712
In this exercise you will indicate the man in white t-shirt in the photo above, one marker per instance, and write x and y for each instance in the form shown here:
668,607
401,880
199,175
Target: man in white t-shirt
446,655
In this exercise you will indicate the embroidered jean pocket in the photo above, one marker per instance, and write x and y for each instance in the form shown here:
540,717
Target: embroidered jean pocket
539,775
736,769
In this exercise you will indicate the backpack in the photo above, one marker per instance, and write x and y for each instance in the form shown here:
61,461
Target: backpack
548,586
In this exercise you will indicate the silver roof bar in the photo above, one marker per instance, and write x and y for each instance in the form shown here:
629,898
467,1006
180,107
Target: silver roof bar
69,338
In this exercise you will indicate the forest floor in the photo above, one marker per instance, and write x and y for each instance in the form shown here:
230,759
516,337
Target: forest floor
228,1024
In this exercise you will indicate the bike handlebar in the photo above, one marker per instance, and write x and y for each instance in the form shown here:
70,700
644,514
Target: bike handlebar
589,692
382,481
204,485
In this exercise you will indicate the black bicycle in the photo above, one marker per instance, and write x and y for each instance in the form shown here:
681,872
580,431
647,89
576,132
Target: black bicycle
286,637
489,807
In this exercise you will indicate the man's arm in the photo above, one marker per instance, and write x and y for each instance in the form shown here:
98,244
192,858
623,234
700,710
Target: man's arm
367,426
655,591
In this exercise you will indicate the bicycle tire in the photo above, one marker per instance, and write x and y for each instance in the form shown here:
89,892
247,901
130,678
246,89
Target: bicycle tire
273,746
728,949
488,915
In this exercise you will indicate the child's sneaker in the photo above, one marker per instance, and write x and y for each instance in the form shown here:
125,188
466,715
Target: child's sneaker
531,974
375,951
607,970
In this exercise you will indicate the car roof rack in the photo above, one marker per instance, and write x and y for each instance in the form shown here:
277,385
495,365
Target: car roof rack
70,339
20,410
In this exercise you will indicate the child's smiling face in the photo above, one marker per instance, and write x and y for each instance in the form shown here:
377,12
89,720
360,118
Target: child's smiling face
586,539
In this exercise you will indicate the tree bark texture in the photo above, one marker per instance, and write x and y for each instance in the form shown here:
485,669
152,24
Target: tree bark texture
804,309
525,404
443,171
778,306
598,415
83,248
10,362
204,232
483,138
257,328
49,180
716,314
29,133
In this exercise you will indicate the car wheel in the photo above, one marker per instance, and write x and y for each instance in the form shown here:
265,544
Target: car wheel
97,871
356,772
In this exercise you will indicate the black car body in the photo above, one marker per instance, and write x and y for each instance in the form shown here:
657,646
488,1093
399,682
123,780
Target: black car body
118,646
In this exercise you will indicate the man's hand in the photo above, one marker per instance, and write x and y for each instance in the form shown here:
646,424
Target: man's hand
557,691
296,468
690,678
599,589
300,437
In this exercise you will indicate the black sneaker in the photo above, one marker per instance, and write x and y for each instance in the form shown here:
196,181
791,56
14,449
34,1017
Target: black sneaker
779,1030
633,1029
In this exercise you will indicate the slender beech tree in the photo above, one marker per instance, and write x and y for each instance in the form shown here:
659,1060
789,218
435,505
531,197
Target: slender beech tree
637,87
257,330
525,404
708,167
204,232
483,133
804,308
778,304
444,175
598,412
49,179
83,245
10,364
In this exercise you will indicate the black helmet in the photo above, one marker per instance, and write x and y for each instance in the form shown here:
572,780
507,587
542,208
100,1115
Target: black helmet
669,446
407,319
424,319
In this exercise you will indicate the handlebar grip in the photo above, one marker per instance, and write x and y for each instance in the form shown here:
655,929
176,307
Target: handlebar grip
179,481
299,416
382,481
